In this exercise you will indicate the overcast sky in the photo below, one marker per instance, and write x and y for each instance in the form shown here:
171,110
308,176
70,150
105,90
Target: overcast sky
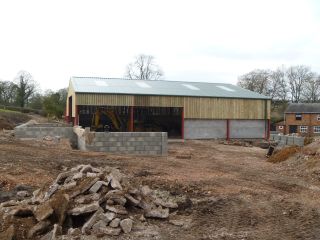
214,41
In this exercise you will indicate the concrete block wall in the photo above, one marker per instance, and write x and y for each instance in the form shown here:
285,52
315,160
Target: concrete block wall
247,129
141,143
35,131
204,129
217,129
288,140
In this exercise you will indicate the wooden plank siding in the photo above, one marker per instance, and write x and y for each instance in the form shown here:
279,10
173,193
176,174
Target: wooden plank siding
194,107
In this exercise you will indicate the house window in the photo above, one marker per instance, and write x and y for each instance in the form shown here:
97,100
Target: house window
316,129
280,127
303,129
298,116
318,117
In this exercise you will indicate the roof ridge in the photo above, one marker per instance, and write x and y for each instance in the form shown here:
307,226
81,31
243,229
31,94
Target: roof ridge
160,80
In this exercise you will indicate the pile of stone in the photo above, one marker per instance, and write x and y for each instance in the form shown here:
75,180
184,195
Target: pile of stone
87,201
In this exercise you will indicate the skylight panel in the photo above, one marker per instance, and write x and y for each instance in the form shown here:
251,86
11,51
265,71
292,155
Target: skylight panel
191,87
101,83
143,85
226,88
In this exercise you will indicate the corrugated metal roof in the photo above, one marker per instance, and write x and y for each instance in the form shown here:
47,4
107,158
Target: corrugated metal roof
303,108
160,87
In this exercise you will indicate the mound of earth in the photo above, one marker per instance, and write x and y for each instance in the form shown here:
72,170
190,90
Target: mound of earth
9,120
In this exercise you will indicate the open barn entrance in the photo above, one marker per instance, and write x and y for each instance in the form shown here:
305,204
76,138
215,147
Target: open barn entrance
158,119
104,118
137,119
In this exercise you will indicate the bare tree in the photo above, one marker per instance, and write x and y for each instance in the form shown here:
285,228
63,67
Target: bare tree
256,81
144,68
298,76
311,90
25,86
278,85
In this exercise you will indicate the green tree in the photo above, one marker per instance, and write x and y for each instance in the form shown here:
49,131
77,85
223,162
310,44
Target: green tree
25,87
8,91
36,101
54,102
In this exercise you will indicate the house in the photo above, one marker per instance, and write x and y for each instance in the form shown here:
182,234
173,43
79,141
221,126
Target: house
303,119
187,110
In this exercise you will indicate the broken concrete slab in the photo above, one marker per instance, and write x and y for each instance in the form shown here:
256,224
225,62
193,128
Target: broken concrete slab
115,223
117,209
145,191
126,225
84,188
115,184
98,225
132,200
23,194
96,187
119,200
62,176
108,231
94,218
88,198
167,204
108,216
74,231
157,213
69,185
85,208
92,202
52,189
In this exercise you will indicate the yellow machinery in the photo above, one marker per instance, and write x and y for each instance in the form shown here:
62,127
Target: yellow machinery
99,120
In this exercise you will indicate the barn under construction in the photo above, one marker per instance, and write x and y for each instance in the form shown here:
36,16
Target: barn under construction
187,110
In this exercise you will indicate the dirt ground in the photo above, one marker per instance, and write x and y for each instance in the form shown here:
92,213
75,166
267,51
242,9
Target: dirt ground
9,119
235,193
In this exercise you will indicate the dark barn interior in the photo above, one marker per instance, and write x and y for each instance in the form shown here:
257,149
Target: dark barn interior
138,119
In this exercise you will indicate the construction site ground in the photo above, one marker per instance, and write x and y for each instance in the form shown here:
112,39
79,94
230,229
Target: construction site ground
234,192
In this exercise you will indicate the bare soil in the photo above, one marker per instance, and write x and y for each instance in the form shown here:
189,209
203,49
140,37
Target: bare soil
8,120
235,193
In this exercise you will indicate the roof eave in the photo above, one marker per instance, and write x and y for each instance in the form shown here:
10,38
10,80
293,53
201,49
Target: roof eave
141,94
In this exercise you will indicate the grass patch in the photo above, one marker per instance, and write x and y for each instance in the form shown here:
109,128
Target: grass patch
7,111
284,154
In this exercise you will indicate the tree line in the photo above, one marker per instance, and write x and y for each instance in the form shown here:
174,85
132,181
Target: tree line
23,94
293,84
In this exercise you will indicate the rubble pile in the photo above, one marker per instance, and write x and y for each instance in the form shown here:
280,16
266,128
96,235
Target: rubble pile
86,201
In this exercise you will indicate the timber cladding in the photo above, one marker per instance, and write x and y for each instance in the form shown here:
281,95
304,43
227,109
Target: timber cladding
194,107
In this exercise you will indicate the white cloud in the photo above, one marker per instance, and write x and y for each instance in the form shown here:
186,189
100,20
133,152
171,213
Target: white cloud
191,40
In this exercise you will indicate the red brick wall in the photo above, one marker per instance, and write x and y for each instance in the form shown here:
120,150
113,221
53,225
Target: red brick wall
308,119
